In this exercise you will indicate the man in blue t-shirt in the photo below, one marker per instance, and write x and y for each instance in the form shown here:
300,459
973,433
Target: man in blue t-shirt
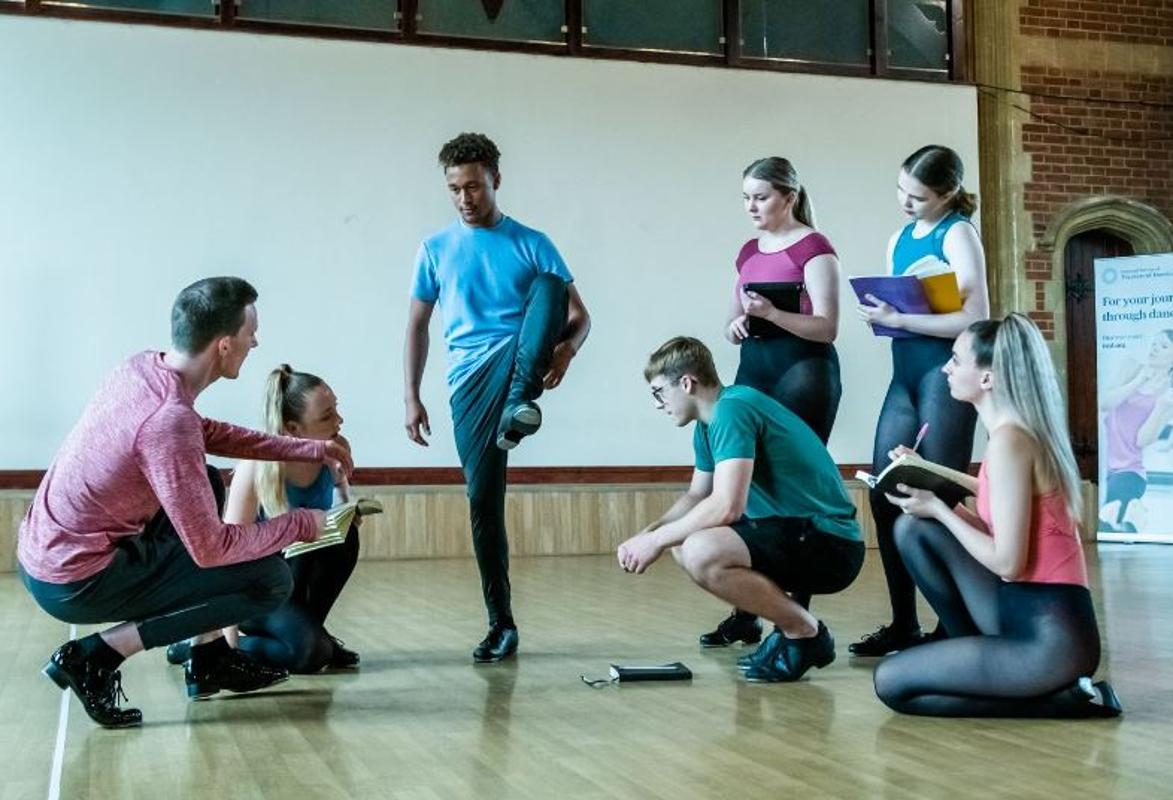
512,322
765,516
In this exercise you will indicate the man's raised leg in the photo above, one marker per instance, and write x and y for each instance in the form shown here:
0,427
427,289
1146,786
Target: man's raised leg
541,330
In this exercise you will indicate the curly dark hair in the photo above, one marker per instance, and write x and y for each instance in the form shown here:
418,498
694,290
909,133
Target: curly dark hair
470,148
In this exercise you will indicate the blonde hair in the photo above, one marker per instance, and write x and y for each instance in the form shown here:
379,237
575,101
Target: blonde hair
781,174
285,401
1025,383
683,355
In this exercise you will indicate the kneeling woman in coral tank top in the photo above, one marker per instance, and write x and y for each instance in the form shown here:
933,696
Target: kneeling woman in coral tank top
1009,583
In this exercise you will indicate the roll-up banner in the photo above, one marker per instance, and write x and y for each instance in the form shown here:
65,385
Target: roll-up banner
1134,347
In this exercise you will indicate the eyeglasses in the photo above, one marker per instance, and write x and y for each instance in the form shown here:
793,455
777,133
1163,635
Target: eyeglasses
658,392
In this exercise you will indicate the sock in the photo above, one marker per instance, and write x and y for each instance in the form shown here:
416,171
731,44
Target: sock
96,650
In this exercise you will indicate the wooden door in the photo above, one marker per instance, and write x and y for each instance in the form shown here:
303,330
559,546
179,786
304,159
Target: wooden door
1079,284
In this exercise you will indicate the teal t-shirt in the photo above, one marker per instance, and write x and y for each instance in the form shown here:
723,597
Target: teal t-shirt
793,474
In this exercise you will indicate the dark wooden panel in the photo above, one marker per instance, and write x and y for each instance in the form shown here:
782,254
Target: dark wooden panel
1079,282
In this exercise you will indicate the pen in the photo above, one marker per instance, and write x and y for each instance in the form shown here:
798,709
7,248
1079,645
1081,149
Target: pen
920,435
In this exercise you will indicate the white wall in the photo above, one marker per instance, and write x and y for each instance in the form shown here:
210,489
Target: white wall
134,160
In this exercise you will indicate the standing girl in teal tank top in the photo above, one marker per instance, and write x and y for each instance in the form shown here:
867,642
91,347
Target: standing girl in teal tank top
930,191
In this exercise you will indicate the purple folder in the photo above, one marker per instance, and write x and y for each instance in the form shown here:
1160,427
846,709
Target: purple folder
902,292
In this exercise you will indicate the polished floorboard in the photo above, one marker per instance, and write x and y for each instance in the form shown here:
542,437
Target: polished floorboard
418,720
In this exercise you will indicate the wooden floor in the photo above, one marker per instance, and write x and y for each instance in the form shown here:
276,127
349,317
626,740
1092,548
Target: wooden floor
420,721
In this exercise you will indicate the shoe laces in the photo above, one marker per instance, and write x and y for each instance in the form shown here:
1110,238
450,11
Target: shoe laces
730,621
879,634
117,696
109,688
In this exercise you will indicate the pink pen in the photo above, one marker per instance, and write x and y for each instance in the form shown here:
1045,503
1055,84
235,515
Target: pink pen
920,435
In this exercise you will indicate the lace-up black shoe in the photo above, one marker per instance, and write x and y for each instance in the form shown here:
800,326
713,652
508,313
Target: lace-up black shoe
231,670
98,689
519,420
500,643
740,626
343,657
887,639
794,658
178,652
764,653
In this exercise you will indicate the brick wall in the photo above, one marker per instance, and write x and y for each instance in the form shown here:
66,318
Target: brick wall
1123,153
1094,132
1133,21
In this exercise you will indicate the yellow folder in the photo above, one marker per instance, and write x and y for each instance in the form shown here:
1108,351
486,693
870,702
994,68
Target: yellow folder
942,292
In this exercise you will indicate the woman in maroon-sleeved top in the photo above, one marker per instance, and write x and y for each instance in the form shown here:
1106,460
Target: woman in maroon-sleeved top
795,361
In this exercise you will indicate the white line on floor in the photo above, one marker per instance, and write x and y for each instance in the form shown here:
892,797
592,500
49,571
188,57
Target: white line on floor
59,748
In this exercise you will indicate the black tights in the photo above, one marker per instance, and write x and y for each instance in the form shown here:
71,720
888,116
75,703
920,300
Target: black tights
294,637
800,374
918,394
1014,649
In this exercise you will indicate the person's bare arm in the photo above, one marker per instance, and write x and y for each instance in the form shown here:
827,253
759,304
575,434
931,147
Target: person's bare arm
415,358
723,506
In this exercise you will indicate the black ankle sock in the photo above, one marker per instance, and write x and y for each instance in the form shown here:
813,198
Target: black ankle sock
209,653
103,655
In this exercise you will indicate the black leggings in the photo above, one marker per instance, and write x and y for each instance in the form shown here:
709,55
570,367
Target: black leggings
1014,649
514,372
800,374
294,637
917,394
153,582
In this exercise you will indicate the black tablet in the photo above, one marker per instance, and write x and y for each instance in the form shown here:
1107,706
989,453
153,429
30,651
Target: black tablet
785,295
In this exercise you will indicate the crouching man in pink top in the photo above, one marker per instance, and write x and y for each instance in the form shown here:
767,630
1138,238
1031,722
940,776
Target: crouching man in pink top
126,522
1008,583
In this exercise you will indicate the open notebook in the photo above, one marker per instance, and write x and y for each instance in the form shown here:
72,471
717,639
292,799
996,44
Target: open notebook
338,521
912,470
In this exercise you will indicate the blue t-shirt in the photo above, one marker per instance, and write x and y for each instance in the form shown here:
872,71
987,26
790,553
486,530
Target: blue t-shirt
793,474
910,249
481,277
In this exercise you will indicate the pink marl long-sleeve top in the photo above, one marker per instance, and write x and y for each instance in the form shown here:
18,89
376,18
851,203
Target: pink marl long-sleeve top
139,446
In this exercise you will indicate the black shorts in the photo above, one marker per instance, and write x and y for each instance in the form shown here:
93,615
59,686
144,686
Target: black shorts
799,557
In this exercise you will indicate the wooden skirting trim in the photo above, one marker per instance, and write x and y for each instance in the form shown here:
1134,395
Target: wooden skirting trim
452,476
21,478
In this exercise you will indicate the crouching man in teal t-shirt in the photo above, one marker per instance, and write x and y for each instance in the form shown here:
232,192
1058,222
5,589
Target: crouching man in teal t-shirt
766,515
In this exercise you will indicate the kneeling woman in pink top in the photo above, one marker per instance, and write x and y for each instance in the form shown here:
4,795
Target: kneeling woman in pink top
1008,584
